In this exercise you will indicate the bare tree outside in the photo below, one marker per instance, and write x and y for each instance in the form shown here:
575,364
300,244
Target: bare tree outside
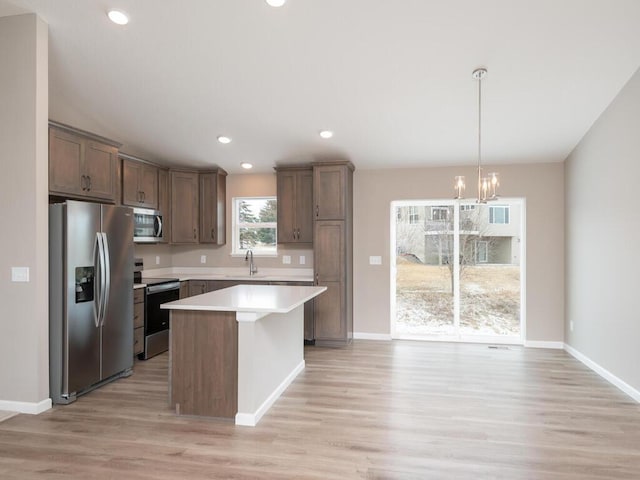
489,273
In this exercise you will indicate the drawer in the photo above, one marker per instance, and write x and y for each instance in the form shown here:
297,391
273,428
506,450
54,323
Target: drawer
138,315
138,295
138,340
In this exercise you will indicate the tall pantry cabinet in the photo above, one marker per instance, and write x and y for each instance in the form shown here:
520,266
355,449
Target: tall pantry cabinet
333,251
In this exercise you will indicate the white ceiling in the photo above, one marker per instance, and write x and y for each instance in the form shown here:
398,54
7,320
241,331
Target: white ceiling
391,78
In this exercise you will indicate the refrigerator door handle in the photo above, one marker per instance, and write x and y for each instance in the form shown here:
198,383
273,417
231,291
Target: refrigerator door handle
107,276
97,284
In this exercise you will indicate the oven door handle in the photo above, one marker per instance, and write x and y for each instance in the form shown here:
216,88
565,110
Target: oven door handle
163,287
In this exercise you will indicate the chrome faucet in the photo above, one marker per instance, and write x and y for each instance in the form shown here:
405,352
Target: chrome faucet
253,268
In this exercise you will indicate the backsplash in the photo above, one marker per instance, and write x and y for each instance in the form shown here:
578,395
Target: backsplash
192,256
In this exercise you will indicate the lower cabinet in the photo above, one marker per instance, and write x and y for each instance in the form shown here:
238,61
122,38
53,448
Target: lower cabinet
138,321
184,290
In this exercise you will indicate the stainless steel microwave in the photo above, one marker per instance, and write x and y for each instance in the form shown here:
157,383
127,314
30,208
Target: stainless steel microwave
147,226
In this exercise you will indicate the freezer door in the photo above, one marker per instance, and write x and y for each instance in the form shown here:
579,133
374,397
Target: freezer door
81,335
117,318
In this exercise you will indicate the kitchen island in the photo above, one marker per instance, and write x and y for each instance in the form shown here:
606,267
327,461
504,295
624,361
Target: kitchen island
232,352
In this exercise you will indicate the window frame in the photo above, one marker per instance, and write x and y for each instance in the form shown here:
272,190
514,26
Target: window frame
506,215
236,226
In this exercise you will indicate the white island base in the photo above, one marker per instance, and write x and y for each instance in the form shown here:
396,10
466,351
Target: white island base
234,351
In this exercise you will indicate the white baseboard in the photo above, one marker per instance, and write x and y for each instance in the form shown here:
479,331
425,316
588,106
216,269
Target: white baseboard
604,373
26,407
371,336
543,344
252,419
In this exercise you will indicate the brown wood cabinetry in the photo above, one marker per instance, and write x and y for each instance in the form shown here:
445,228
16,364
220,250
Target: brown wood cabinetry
184,206
164,202
333,252
138,320
139,183
198,287
184,289
213,194
295,204
82,165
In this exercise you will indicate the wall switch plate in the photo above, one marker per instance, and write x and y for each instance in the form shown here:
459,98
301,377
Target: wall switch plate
571,325
19,274
375,260
286,259
203,259
302,260
157,259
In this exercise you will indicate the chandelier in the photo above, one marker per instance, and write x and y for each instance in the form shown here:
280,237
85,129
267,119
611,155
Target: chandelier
487,185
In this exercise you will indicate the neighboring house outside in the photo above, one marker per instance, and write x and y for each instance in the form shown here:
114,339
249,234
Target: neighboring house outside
489,233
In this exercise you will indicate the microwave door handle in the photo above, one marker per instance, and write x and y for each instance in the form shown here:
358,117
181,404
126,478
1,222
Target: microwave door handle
107,276
158,226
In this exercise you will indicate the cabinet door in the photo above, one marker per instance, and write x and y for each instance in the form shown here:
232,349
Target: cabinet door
130,191
65,163
184,289
100,165
197,287
286,206
164,203
212,208
329,192
148,185
329,251
304,206
329,313
184,207
208,208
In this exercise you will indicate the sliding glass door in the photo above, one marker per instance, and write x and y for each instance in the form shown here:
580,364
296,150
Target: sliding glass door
457,270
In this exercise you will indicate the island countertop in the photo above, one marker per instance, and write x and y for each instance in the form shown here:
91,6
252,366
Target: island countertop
249,298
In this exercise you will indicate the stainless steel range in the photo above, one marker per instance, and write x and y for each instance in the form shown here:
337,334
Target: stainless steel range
156,321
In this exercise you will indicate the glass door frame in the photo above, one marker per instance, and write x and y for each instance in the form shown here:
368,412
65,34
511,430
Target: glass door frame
458,337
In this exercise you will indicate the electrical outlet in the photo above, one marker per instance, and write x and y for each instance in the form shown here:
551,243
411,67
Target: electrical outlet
19,274
302,260
375,260
286,259
203,259
571,325
157,259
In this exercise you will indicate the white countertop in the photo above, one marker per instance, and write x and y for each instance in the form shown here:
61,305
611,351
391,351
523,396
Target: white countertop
265,275
249,298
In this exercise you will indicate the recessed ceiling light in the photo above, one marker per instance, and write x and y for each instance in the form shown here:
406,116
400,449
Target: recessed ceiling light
246,165
224,139
276,3
326,133
118,17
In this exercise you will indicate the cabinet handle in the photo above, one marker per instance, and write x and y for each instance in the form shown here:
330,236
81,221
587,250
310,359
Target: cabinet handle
317,211
89,183
144,197
83,181
213,234
194,233
317,280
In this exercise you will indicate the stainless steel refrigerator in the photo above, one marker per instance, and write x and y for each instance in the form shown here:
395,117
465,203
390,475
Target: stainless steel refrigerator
90,297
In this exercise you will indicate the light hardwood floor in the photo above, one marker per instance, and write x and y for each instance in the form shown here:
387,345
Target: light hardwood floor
387,410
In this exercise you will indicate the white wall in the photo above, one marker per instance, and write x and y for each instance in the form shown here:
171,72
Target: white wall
540,184
603,238
24,347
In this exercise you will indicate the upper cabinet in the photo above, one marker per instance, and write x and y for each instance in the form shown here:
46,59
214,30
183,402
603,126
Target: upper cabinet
139,183
82,165
164,202
213,193
184,206
330,187
295,204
